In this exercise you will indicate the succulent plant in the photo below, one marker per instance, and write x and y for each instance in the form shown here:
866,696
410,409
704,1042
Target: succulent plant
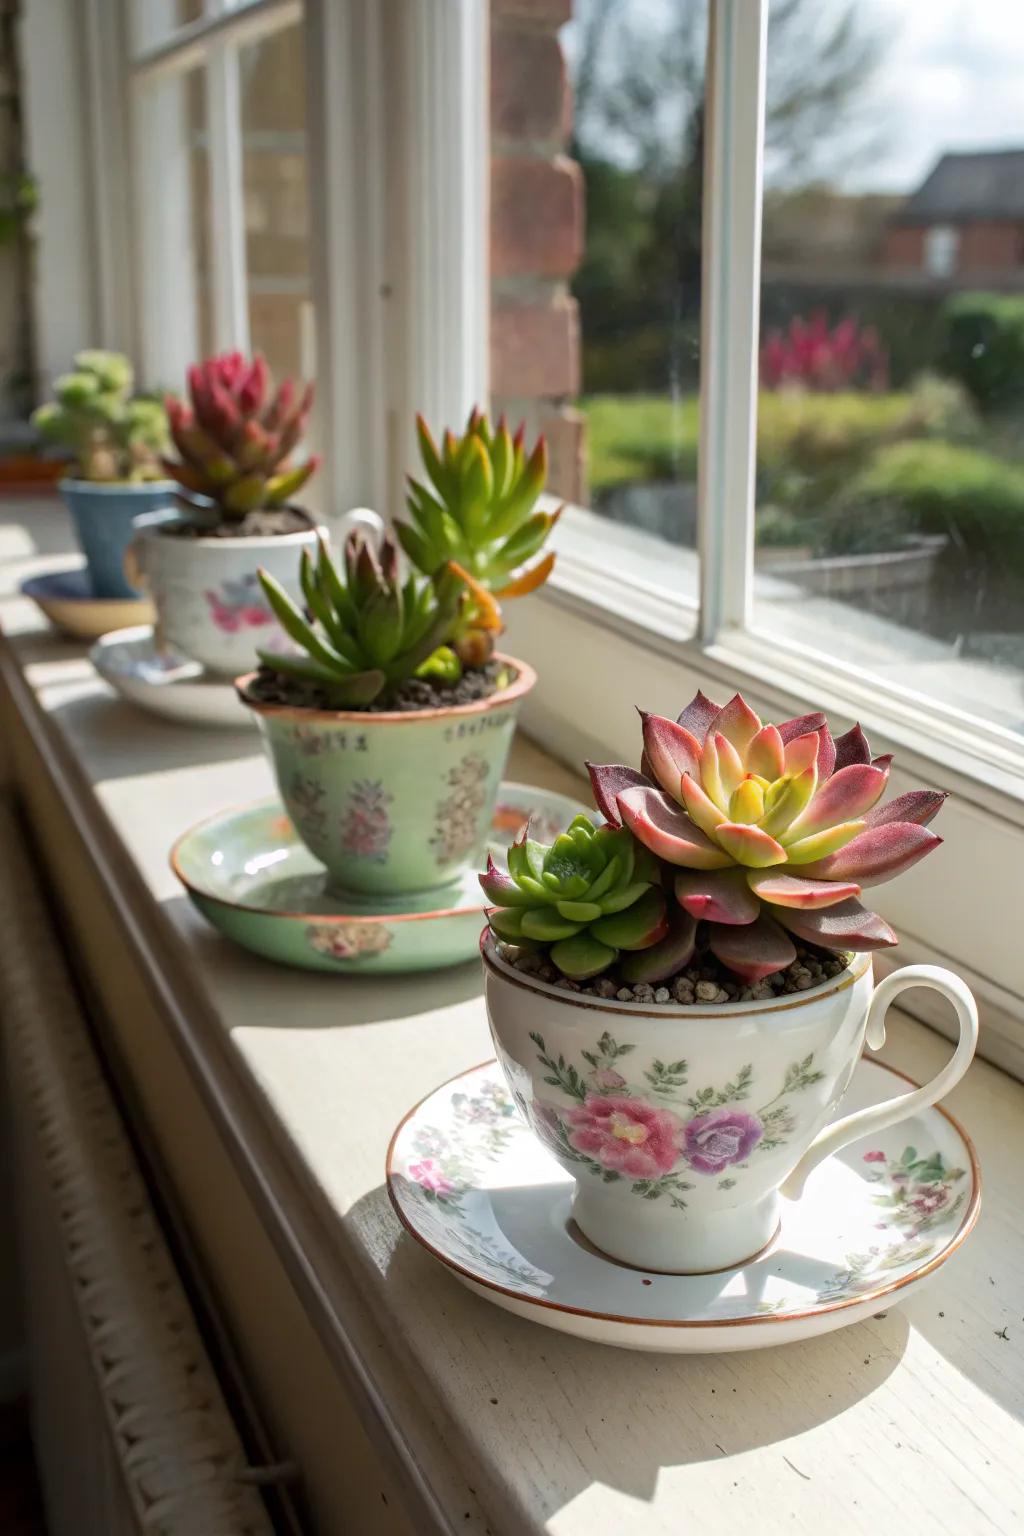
594,898
771,831
236,438
114,435
478,511
365,631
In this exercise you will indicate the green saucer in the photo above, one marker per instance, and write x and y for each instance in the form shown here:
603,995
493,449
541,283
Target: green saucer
250,876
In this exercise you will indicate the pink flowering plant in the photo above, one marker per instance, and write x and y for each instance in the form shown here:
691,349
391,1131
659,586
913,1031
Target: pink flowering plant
812,355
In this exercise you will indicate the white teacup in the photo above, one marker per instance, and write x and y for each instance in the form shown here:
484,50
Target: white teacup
683,1125
208,599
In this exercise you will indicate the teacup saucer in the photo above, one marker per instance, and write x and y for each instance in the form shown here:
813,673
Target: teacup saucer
249,874
476,1188
67,599
165,682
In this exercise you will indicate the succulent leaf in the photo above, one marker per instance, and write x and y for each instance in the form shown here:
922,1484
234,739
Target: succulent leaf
365,622
235,442
113,436
478,511
766,825
580,891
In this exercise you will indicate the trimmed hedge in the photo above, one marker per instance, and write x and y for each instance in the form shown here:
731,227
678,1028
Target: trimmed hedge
985,346
975,498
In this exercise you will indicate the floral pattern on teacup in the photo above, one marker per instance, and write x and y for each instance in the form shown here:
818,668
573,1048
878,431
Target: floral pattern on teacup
650,1132
238,603
366,823
457,815
348,941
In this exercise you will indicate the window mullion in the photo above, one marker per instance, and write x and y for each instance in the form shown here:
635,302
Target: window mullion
444,155
227,200
730,300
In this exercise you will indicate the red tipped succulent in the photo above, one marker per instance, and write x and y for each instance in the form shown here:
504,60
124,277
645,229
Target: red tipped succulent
237,435
772,831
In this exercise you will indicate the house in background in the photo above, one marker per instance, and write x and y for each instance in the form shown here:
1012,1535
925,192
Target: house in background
964,223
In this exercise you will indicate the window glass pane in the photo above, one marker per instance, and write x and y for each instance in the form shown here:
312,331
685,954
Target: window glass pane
597,143
890,523
174,225
154,21
276,204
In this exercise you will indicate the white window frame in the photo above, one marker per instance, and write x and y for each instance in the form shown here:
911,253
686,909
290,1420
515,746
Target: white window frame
399,163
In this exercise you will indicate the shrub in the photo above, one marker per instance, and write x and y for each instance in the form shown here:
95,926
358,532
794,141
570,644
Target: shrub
975,498
984,345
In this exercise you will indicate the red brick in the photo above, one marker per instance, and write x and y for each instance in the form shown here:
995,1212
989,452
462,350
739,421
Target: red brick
552,13
536,217
566,434
535,349
529,90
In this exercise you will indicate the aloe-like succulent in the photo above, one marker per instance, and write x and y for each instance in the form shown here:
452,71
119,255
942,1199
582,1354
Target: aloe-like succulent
593,898
113,434
365,630
478,510
771,831
237,436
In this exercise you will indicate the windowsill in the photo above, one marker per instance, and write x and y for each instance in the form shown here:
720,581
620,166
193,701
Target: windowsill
524,1428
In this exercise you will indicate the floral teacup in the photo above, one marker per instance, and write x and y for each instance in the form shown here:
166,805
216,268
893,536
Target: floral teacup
683,1125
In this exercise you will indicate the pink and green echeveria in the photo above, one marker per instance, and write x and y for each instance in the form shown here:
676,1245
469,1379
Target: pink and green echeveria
767,833
592,898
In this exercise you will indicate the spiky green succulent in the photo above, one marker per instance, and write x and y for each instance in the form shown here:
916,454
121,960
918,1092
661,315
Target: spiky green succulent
478,511
592,898
365,630
236,439
113,435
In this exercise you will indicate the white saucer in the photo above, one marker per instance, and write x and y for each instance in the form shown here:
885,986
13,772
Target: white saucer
165,682
475,1187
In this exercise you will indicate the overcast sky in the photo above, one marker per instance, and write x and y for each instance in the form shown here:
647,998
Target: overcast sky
951,77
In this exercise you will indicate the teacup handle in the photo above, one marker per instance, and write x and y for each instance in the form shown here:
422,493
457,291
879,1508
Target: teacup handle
880,1116
131,564
362,517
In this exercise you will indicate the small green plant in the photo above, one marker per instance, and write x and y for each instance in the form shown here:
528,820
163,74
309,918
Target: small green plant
113,435
592,898
478,512
366,631
236,438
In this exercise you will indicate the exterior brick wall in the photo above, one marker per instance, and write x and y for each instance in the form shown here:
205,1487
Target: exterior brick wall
536,236
988,248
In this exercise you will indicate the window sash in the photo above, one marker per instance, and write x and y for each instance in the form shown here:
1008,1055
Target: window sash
400,283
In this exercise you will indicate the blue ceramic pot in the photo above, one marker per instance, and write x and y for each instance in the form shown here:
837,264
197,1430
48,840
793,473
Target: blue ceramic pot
104,517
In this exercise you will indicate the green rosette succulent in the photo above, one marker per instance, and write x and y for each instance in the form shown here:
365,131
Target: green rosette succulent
365,630
115,436
593,899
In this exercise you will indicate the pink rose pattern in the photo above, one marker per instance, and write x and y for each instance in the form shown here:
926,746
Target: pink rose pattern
238,605
626,1135
651,1134
366,825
